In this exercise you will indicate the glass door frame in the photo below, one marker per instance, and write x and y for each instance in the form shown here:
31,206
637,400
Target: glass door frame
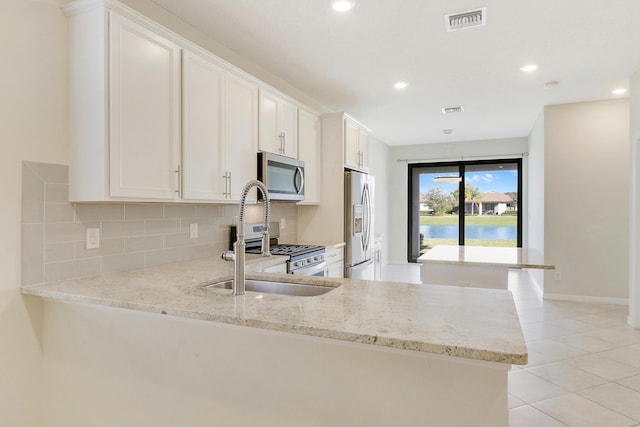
462,164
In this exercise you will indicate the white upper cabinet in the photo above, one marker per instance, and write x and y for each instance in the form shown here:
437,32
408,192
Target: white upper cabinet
278,125
144,111
154,117
356,145
204,164
242,134
309,151
220,137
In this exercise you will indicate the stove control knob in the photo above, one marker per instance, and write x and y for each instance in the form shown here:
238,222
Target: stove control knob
296,264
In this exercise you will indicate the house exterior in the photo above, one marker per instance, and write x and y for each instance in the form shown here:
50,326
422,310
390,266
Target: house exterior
489,203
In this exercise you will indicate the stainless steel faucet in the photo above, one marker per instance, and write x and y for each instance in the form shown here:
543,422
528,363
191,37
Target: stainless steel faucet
237,255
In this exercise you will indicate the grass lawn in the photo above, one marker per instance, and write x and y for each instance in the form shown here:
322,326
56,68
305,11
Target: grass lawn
504,220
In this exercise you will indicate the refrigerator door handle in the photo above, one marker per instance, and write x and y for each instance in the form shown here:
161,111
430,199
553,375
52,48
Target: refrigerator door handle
367,204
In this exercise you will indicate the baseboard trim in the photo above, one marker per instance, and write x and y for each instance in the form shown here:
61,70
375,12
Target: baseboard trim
583,298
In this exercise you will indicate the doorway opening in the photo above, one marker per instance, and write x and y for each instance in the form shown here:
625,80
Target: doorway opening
472,203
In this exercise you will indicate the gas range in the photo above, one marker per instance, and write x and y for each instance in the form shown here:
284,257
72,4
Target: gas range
305,260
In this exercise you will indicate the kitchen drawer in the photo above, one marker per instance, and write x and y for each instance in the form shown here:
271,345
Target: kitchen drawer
333,254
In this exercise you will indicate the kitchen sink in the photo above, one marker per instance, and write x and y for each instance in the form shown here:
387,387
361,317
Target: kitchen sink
282,288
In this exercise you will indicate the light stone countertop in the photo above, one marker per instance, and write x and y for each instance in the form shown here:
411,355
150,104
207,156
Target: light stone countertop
485,255
471,323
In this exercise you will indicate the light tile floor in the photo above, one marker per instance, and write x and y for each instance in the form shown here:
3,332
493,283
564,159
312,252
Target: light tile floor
584,363
584,360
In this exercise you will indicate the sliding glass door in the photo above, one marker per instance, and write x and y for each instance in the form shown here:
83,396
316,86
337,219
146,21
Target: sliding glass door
487,213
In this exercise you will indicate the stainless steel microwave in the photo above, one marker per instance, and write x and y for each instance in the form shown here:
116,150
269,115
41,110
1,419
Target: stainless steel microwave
283,176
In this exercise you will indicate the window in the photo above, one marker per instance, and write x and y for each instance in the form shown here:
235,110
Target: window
488,214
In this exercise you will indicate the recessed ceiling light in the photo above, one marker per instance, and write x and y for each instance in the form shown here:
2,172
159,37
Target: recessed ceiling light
401,85
342,5
619,91
529,68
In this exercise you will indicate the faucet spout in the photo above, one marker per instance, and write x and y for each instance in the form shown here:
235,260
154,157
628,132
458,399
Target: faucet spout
239,246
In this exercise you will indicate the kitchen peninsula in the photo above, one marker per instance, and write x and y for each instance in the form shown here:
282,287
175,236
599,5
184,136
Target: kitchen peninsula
365,353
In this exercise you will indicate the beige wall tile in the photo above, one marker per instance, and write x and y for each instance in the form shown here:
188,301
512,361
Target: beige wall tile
209,211
32,196
179,211
58,212
50,172
199,251
178,239
64,232
86,212
59,251
122,228
143,243
32,254
71,269
162,226
122,262
56,193
139,211
162,256
107,247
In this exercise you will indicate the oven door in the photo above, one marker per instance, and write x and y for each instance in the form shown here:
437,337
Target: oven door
313,270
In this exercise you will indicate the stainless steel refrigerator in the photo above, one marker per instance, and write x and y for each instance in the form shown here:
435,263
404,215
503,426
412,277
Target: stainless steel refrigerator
358,227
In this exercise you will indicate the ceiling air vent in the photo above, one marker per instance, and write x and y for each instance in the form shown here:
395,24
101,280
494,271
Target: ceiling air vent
468,19
451,110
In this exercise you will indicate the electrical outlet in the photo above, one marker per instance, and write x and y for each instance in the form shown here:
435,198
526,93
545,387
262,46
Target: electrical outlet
557,275
93,238
193,230
282,224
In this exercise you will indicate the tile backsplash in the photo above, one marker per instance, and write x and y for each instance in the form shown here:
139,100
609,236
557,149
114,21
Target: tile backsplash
132,235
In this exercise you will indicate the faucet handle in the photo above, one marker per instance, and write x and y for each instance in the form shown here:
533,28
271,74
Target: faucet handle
266,243
228,255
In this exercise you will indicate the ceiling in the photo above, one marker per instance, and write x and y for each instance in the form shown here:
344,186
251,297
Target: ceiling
350,61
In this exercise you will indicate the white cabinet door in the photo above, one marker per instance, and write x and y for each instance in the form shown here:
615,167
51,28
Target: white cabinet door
363,145
289,129
309,151
203,161
144,110
356,146
351,149
270,137
278,125
242,133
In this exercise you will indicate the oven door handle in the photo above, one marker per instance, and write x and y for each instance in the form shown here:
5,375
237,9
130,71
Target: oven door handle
311,270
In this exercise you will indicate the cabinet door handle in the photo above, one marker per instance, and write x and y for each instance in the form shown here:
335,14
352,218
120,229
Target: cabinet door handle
229,191
179,179
224,193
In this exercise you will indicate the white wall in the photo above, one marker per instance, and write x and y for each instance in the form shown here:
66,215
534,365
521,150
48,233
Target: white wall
379,168
586,153
398,177
534,203
634,235
33,126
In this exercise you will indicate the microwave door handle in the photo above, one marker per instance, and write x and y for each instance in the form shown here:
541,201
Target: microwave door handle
298,173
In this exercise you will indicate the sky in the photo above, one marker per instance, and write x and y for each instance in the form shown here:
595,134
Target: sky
500,181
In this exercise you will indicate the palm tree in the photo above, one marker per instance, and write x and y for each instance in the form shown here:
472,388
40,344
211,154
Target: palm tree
472,193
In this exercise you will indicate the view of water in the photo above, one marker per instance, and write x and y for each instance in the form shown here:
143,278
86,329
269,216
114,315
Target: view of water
471,232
